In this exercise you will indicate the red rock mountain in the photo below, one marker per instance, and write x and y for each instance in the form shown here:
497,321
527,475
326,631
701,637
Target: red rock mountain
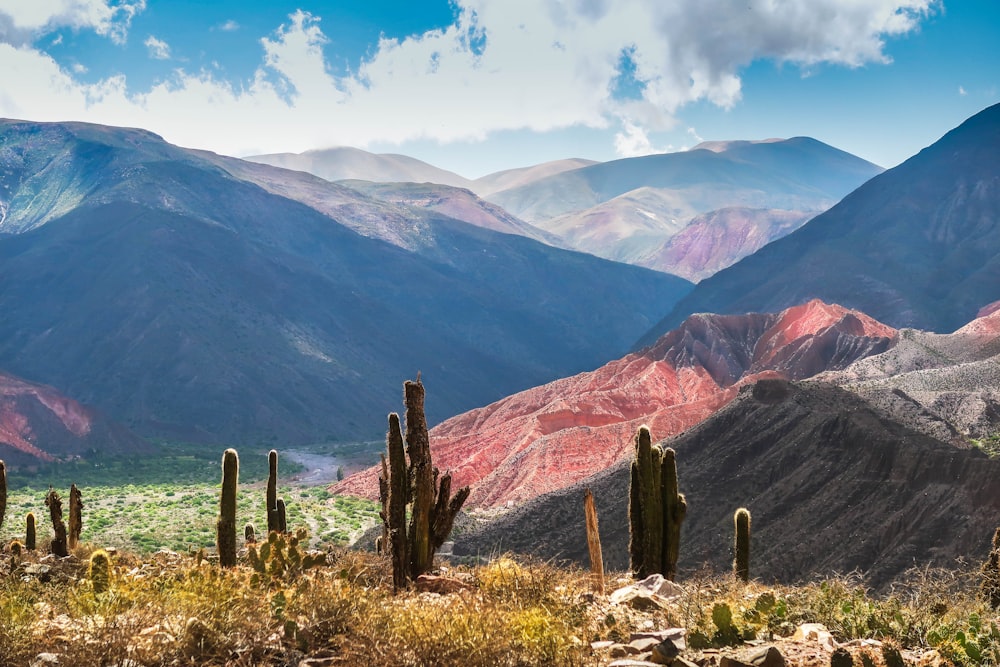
37,423
549,437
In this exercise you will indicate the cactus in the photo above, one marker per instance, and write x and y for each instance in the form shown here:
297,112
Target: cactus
249,534
100,571
282,525
741,547
226,527
3,491
29,532
75,516
433,512
16,549
281,560
656,509
272,490
58,544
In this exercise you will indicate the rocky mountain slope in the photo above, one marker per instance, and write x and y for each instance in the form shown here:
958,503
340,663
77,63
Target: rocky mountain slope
206,298
554,435
913,247
37,423
832,485
882,465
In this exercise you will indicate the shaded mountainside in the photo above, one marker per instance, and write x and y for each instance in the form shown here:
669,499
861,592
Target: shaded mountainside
917,246
198,297
37,423
832,485
512,178
554,435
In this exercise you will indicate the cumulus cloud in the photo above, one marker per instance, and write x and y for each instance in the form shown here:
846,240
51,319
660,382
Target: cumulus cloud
20,21
962,91
229,26
502,65
157,48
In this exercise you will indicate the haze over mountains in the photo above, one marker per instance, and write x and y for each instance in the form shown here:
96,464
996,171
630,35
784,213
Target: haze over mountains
915,246
205,298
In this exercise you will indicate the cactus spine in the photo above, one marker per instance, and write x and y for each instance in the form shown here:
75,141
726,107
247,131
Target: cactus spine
656,509
58,544
226,527
29,532
741,564
272,491
3,491
100,571
75,516
433,511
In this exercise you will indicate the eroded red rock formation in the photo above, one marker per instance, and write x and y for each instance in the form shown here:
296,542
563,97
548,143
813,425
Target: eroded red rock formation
551,436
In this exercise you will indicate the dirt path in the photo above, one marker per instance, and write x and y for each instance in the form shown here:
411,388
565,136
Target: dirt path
320,469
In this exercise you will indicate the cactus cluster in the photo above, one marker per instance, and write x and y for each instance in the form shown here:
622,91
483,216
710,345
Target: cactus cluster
433,509
656,509
282,558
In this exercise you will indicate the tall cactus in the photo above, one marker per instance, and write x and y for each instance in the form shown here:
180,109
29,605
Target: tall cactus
75,516
741,547
58,544
226,527
3,491
30,535
272,491
656,509
280,513
433,511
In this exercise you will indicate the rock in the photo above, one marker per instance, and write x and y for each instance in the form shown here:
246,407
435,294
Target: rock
44,659
732,661
658,585
684,662
815,632
642,645
631,662
601,646
676,635
653,592
665,652
430,583
321,659
619,651
768,657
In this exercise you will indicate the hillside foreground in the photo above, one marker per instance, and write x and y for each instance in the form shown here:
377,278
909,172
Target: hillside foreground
174,609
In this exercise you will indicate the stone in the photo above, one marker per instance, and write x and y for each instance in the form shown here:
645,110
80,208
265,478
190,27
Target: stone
732,661
664,652
815,632
601,645
632,662
676,635
684,662
321,659
841,658
44,660
642,645
767,657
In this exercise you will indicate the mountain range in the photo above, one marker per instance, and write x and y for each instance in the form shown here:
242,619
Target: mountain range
916,246
204,298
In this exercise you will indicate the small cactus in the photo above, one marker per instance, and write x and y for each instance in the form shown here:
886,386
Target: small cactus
75,516
272,491
282,526
58,544
989,586
100,571
249,534
280,558
16,548
741,563
226,527
29,532
3,491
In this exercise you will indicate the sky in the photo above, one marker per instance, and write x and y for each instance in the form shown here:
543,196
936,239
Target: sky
477,86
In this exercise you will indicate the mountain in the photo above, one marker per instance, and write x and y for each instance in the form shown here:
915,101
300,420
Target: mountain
513,178
712,241
457,203
917,246
204,298
832,485
37,423
628,209
344,162
551,436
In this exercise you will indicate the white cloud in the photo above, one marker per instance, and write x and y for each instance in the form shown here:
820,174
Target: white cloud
229,26
633,141
20,20
962,91
503,65
157,48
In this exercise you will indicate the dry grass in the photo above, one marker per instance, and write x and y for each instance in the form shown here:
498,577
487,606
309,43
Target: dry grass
170,609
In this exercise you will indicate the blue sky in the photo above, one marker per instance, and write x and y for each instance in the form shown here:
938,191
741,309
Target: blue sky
481,85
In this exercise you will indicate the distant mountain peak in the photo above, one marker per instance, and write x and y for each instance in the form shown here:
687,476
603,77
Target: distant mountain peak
724,145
